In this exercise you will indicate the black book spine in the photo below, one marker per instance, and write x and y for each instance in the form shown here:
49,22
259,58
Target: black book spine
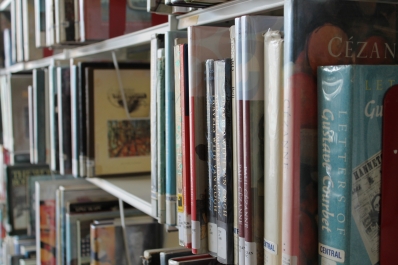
211,157
225,222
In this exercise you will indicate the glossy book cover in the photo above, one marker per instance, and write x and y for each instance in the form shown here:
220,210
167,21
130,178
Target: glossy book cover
349,147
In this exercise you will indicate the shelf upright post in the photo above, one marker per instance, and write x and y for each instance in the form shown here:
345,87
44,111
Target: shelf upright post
173,23
123,223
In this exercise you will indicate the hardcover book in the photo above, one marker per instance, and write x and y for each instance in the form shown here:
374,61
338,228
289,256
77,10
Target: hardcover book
118,124
75,125
165,256
273,136
40,23
157,42
160,135
203,43
40,116
152,256
64,120
317,34
252,97
211,132
30,52
54,111
224,160
201,259
350,114
170,134
65,21
18,200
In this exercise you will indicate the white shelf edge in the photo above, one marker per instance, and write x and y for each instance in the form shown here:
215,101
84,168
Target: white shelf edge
133,200
5,5
131,39
227,11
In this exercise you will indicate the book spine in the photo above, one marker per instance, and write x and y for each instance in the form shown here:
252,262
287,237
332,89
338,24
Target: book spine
75,120
39,114
161,137
186,169
19,30
53,118
60,121
170,144
239,140
67,26
225,216
13,48
212,158
335,159
253,140
170,147
49,22
178,119
32,149
154,154
234,148
273,109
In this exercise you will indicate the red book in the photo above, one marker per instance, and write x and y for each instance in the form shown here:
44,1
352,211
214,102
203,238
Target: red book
186,173
389,181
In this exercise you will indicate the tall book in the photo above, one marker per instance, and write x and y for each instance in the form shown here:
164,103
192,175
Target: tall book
253,28
186,169
40,23
273,136
50,22
331,33
157,42
212,152
224,160
30,52
350,114
160,135
31,122
203,43
53,110
239,140
75,125
65,21
170,134
234,145
18,200
389,231
40,115
64,120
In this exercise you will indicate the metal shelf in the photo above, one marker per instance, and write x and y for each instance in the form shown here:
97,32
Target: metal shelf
5,5
135,190
227,11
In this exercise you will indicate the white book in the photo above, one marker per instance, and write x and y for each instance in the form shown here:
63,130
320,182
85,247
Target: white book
39,15
19,30
13,48
50,21
29,46
273,146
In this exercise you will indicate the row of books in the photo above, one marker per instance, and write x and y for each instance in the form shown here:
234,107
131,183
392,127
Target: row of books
70,221
60,115
273,161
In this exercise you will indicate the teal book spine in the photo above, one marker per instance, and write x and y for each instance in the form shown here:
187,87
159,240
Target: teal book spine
170,134
349,152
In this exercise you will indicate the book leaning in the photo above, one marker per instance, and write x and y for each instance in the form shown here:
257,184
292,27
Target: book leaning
349,150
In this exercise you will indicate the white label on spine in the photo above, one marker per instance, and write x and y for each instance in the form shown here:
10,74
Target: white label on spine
212,237
181,229
188,232
195,234
289,260
250,253
222,238
241,251
334,254
270,247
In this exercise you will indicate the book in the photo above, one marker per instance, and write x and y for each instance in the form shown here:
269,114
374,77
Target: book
119,118
234,145
47,222
31,130
152,256
17,202
5,25
19,26
54,111
160,135
50,22
203,43
211,131
224,160
252,30
13,33
273,136
308,39
40,116
165,256
30,52
350,114
40,23
75,125
157,42
170,143
239,140
64,120
186,169
65,21
388,232
140,233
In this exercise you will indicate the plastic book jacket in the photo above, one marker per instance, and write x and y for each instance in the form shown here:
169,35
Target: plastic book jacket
350,119
321,33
